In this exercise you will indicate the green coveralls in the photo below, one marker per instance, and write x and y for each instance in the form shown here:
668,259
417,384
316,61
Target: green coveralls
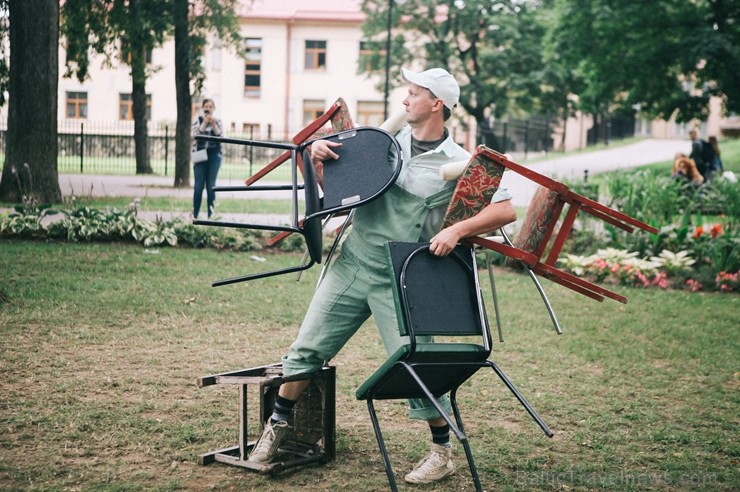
359,283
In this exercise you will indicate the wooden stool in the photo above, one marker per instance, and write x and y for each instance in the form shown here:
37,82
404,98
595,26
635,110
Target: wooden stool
311,436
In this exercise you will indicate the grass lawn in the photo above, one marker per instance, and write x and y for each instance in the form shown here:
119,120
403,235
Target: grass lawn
102,344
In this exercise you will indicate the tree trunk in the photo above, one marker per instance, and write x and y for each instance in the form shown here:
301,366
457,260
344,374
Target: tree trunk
138,49
183,141
138,97
30,168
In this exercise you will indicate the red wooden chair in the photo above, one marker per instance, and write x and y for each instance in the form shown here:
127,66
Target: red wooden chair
339,118
542,227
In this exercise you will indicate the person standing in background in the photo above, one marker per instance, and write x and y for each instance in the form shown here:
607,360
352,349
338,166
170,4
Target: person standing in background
206,171
717,166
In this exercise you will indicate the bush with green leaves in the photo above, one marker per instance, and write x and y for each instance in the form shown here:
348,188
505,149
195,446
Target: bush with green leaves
81,223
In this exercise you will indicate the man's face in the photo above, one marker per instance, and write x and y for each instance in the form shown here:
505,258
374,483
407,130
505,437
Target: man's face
692,135
420,105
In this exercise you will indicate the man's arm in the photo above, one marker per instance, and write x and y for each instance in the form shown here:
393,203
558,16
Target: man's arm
492,217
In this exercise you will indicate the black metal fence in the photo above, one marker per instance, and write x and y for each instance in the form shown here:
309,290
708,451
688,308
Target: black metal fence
518,135
535,135
109,148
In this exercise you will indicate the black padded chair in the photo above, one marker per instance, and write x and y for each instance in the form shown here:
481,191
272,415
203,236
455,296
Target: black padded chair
435,296
369,163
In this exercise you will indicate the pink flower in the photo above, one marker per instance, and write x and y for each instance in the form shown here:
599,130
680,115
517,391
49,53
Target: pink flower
693,285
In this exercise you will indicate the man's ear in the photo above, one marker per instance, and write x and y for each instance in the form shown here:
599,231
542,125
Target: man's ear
438,105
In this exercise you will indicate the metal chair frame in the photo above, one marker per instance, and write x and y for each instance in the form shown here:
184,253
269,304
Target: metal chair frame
424,363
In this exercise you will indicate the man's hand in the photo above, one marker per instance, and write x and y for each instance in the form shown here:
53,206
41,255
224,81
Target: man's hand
322,150
445,241
492,217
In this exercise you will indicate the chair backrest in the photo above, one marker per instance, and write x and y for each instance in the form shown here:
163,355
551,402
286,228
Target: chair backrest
312,228
369,163
474,189
538,224
437,295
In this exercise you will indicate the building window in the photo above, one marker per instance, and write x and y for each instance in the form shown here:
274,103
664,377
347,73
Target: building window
312,109
77,105
125,55
253,68
372,56
216,56
315,55
126,107
370,113
251,130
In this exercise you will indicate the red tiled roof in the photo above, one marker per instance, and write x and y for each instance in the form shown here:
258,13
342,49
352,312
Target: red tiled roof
316,10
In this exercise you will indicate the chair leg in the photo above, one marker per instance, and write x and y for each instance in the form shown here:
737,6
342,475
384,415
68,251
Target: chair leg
545,300
334,245
381,445
538,285
493,293
453,426
465,443
532,412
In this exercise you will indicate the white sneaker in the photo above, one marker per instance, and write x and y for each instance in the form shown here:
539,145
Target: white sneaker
267,445
433,467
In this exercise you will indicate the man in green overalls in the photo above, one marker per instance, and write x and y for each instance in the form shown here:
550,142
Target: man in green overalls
358,284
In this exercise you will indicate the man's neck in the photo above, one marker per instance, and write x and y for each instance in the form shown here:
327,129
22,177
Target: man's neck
429,132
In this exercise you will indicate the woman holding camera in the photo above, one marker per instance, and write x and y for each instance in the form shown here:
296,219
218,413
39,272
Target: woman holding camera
206,171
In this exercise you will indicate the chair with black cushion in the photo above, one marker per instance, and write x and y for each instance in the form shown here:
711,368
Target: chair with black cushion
438,297
369,163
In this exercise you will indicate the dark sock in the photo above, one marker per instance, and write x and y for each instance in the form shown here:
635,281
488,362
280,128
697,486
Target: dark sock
441,435
282,410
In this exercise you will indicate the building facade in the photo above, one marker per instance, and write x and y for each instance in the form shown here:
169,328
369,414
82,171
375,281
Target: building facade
301,56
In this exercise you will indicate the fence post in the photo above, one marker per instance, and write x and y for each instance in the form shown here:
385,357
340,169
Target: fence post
82,147
166,146
526,137
251,149
503,143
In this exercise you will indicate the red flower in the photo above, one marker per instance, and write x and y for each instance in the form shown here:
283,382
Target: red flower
698,232
716,230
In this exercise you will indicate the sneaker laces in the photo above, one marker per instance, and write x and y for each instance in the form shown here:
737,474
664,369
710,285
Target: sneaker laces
265,441
430,462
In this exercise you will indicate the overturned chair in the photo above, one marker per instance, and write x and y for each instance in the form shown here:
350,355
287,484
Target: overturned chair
441,297
369,163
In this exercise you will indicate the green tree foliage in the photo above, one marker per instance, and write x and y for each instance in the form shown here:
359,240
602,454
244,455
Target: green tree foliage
493,49
664,55
558,56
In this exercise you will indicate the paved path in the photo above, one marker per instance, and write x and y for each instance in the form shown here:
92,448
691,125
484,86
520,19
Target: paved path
570,167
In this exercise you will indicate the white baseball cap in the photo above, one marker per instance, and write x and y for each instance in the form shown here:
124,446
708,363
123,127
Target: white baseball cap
439,81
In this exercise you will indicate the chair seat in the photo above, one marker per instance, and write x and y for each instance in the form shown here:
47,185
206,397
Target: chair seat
442,366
